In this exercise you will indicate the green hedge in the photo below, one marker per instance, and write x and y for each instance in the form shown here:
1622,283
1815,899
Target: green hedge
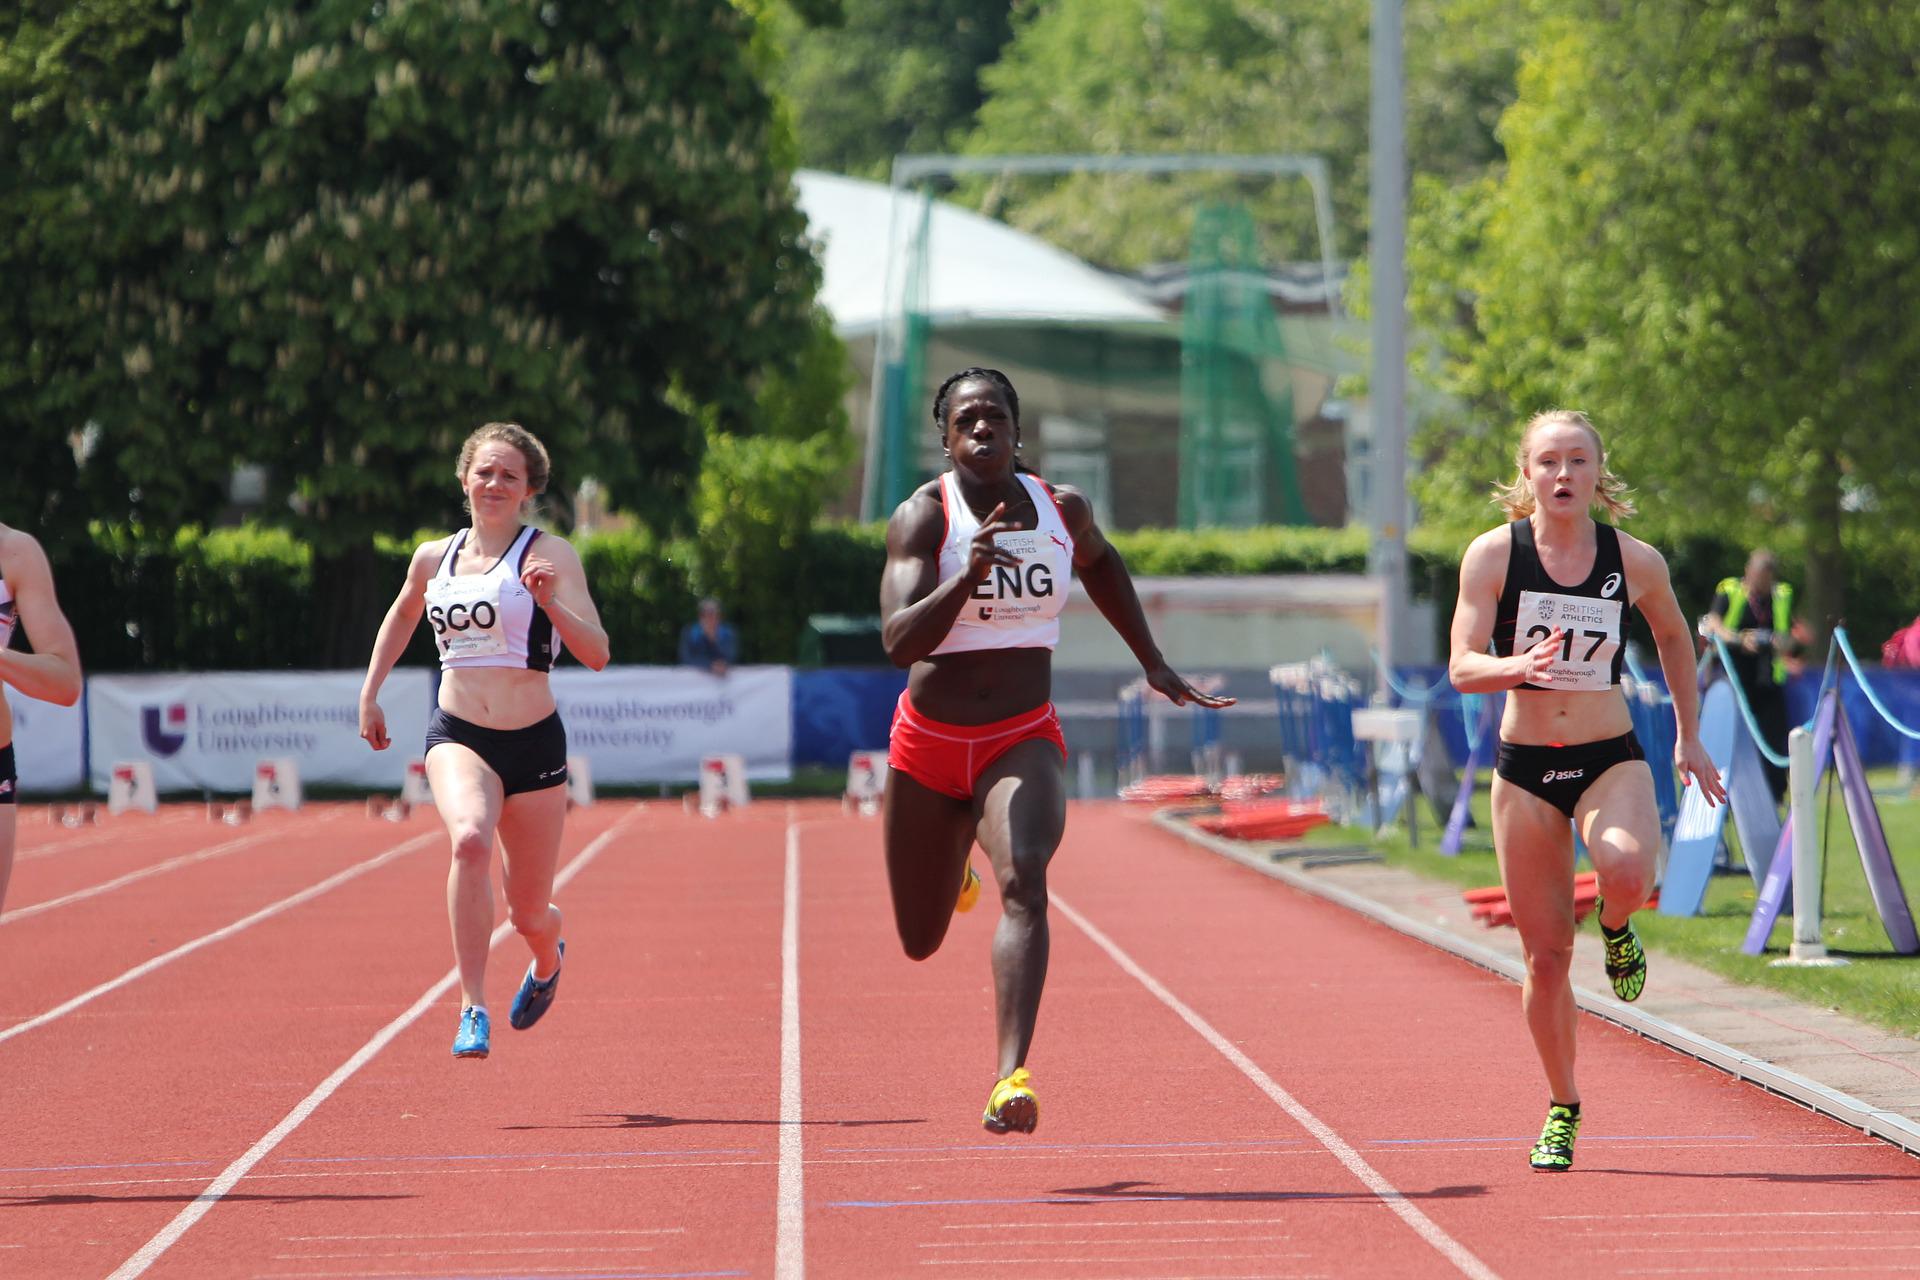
236,599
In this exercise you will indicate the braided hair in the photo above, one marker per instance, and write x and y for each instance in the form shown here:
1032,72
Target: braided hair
943,397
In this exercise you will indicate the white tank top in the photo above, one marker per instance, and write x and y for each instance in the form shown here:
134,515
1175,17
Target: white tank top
7,613
489,619
1012,608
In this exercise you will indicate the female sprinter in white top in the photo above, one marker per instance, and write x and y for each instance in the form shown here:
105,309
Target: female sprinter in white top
979,562
51,673
1549,592
501,597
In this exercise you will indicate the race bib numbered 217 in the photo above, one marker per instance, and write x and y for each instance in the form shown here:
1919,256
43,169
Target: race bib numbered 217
464,613
1590,636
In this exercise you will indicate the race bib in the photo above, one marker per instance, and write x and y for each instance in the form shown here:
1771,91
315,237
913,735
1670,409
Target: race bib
1032,591
465,615
1591,636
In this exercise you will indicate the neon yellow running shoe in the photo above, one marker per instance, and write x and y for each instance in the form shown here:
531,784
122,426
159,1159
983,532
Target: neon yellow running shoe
1554,1152
1626,961
1011,1106
969,891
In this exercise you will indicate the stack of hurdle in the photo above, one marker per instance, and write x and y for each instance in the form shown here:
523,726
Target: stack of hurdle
1316,701
1141,750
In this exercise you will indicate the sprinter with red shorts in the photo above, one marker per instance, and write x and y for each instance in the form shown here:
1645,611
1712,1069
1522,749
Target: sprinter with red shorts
979,562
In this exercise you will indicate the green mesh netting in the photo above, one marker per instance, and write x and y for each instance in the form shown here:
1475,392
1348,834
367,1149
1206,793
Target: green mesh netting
905,373
1236,396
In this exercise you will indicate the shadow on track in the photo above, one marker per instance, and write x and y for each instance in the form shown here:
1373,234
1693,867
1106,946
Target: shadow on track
1771,1175
630,1120
181,1197
1151,1191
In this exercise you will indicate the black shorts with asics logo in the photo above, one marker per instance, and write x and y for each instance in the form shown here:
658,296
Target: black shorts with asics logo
1560,775
529,759
9,779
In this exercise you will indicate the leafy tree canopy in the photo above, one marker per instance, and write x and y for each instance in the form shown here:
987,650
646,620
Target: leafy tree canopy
890,76
332,237
1706,237
1111,76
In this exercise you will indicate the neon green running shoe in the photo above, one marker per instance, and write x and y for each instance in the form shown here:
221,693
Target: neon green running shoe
1626,962
1554,1152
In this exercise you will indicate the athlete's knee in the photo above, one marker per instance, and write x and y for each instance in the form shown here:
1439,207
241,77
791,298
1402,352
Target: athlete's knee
530,919
1549,959
1628,886
471,842
1024,890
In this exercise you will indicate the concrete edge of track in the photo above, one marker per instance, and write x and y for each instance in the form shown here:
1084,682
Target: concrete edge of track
1886,1125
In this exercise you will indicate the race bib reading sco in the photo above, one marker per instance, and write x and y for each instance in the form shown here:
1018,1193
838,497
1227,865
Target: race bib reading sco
465,615
1590,636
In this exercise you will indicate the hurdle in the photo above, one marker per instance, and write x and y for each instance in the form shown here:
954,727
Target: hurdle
130,787
276,784
723,785
866,782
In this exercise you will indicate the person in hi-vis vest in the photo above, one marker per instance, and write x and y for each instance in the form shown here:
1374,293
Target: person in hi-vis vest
1754,615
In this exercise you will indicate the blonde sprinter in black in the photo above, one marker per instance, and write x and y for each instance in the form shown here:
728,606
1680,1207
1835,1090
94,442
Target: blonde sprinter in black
1543,612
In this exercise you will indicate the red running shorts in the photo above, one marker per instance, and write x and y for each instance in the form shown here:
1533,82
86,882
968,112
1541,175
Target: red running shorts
949,758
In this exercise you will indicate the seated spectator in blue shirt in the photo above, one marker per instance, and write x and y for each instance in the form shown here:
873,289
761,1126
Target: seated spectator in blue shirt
709,643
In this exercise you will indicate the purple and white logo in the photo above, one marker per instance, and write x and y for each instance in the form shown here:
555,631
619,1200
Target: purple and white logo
164,728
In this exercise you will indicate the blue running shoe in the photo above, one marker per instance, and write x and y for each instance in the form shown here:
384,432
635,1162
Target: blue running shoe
471,1040
534,995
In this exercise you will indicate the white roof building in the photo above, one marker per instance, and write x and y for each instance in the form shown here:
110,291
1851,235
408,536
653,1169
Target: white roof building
980,271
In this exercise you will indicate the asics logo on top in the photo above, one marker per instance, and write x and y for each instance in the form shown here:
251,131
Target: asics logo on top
164,729
1611,585
1563,775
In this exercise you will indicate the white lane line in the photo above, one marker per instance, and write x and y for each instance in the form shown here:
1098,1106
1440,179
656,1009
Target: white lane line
149,1253
1426,1228
218,935
185,859
789,1249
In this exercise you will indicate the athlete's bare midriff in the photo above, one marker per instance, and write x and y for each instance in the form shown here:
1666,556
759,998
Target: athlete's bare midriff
1545,718
980,686
496,697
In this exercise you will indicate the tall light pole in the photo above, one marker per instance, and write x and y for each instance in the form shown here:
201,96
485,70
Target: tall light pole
1387,550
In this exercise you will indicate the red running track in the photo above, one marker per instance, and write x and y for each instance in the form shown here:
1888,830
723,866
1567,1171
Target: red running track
235,1063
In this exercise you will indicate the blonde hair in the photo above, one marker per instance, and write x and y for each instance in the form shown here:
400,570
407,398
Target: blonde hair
515,436
1516,498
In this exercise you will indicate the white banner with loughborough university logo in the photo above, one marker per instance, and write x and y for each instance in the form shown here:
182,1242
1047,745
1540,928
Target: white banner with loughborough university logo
634,724
208,731
49,749
653,724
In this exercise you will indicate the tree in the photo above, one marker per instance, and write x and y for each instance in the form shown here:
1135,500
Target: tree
1109,76
1705,236
332,238
890,76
